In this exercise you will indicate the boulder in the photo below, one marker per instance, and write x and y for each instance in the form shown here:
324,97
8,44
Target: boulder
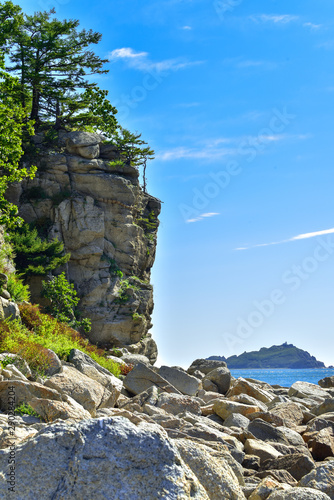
205,366
297,464
236,420
327,382
51,410
54,363
263,490
186,384
221,377
177,403
305,390
322,444
290,413
134,359
212,471
282,476
19,391
13,373
243,386
261,449
321,478
87,392
142,378
298,494
326,407
266,432
209,386
8,309
224,408
106,458
86,365
19,362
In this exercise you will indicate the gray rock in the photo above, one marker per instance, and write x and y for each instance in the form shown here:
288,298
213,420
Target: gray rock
213,471
86,391
86,365
326,407
178,403
8,309
205,366
298,494
186,384
142,378
306,390
221,377
266,432
134,359
297,464
54,363
106,458
224,408
321,478
236,420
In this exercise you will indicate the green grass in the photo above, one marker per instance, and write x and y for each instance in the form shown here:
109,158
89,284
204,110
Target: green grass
24,409
38,331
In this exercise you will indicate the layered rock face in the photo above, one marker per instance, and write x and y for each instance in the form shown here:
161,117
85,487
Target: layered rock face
83,196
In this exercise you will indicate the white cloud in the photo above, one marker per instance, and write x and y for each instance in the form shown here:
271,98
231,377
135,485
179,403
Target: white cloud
203,216
304,236
272,18
141,61
187,28
125,53
312,26
218,148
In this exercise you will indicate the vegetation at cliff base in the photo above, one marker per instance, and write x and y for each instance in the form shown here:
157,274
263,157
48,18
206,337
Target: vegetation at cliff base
37,332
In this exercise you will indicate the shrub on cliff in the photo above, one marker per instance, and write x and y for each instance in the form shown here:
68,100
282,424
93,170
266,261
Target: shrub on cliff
34,256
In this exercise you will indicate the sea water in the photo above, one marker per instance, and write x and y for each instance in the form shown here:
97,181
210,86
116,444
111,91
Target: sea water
284,377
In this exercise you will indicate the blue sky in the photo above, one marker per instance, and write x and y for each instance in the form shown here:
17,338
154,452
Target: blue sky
236,98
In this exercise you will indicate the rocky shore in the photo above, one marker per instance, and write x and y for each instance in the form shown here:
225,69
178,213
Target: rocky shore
162,433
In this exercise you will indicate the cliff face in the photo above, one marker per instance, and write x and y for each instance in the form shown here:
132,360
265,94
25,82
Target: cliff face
109,225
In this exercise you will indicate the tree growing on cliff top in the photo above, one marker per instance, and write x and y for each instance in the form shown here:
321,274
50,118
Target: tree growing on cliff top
13,124
51,59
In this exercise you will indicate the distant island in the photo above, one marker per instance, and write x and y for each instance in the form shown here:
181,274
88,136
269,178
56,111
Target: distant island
277,356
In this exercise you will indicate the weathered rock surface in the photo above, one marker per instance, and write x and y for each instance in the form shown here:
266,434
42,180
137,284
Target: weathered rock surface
216,475
224,408
86,391
108,224
106,458
221,377
298,494
187,384
142,378
321,478
297,464
205,366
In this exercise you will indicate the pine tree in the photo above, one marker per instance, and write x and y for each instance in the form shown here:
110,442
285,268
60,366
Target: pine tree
51,59
34,256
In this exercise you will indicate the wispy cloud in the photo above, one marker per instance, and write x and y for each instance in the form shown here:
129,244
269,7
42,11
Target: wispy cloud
186,28
221,147
312,26
142,62
203,216
304,236
329,45
274,18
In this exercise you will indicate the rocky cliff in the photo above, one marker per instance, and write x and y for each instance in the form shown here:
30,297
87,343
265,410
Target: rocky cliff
84,196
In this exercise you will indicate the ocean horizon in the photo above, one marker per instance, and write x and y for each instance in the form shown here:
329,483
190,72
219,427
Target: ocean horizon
284,377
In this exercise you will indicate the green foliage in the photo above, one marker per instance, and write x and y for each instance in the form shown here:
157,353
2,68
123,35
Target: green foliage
123,297
52,61
13,125
34,256
38,332
138,317
7,360
19,292
64,301
24,409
